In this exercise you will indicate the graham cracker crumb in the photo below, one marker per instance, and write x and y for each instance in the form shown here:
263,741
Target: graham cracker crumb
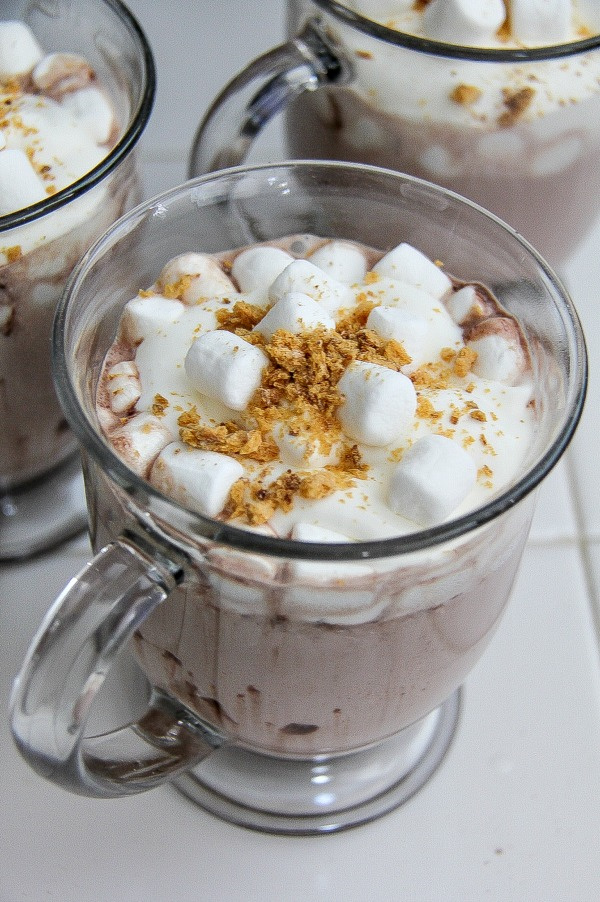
516,102
465,95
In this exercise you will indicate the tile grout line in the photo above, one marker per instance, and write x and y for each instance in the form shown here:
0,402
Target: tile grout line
583,544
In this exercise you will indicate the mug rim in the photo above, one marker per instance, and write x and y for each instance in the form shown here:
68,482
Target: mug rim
456,51
136,125
136,487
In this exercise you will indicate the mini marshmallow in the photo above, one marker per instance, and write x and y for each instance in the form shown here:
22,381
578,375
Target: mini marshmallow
341,598
301,450
539,22
7,313
19,49
225,367
379,404
124,386
257,267
303,276
342,261
434,476
407,264
57,74
471,23
463,304
394,323
500,355
20,185
200,480
294,312
207,279
310,532
147,316
140,440
92,109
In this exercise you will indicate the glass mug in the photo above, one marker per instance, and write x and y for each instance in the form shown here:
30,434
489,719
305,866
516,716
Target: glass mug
39,472
261,713
356,90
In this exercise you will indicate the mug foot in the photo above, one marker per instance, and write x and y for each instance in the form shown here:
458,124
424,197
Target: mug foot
44,513
327,793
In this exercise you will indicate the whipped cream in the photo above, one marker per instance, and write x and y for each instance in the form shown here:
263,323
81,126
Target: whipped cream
427,416
475,94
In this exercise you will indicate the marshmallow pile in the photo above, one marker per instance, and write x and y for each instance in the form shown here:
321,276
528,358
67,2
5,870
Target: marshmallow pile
477,23
434,438
56,124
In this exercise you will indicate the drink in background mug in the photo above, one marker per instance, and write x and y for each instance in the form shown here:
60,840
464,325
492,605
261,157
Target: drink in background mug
266,708
85,57
515,128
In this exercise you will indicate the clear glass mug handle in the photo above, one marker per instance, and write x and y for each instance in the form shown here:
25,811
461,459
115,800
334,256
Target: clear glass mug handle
263,89
82,633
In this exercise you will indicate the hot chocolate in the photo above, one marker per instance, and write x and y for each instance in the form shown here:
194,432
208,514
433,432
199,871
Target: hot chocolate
57,125
497,129
324,392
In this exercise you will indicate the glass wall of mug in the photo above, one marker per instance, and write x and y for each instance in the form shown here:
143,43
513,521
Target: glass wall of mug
82,48
267,674
514,128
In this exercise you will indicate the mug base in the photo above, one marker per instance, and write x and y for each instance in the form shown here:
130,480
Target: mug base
42,514
324,794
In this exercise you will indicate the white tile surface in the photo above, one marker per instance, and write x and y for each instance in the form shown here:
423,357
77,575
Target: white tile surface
514,811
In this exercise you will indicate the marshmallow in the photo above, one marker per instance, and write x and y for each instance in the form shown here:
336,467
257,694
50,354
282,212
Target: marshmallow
434,476
394,323
207,279
379,404
19,49
200,480
442,331
305,277
59,73
380,10
294,312
472,23
500,355
92,109
539,22
7,314
225,367
123,386
341,260
140,440
300,450
463,304
144,317
257,267
343,601
407,264
20,185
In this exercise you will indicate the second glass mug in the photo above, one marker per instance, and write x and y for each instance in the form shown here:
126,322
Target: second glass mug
38,483
353,89
260,712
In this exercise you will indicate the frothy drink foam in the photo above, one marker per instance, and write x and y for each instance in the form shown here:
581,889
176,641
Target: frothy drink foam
321,391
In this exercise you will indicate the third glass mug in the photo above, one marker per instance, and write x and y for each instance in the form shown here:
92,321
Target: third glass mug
357,90
41,243
285,698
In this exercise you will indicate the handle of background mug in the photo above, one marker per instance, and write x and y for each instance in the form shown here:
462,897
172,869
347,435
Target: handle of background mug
89,623
264,88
